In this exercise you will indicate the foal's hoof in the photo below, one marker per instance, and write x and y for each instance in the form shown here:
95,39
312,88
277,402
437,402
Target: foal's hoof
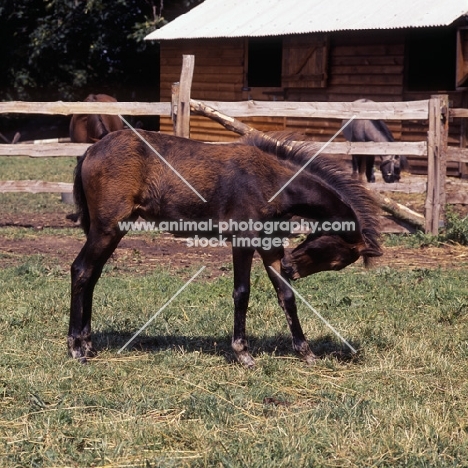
81,350
302,349
78,355
88,350
246,360
309,359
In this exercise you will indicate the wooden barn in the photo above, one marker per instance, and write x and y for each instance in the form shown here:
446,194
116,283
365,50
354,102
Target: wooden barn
311,50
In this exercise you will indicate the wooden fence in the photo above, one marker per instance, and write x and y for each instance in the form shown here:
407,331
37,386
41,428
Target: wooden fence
434,110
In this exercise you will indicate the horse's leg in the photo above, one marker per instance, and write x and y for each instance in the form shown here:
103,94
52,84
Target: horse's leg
370,168
287,301
362,166
242,262
85,272
359,166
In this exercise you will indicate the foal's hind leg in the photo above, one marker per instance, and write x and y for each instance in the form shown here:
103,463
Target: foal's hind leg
85,272
287,301
242,263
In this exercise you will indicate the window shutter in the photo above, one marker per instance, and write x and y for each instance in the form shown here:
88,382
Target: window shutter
462,58
305,61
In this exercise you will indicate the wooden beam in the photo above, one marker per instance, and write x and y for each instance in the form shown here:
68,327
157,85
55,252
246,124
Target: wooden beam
401,187
67,108
347,148
399,211
374,148
412,110
340,148
183,105
457,154
225,120
174,105
46,150
436,162
456,112
34,186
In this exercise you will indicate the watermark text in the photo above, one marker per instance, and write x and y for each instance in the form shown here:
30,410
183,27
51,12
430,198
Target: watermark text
244,233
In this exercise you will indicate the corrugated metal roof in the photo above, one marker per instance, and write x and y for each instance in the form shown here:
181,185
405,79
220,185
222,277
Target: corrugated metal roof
250,18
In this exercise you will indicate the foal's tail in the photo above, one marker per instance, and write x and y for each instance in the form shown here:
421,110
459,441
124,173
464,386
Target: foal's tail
80,197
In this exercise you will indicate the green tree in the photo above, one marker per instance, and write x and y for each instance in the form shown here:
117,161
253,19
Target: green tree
63,49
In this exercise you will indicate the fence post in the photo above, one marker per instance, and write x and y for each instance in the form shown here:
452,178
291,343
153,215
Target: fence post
174,104
181,108
436,162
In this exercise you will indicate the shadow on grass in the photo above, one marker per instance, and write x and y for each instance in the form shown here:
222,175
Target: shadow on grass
323,347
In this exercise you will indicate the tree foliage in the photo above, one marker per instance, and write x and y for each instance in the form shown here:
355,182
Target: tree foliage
63,49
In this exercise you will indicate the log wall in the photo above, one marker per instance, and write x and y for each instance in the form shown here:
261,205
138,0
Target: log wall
365,64
356,70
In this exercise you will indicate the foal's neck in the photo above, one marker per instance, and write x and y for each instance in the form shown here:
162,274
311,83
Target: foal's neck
313,198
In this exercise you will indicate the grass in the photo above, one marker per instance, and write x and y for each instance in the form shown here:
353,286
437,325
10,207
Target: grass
48,169
175,398
51,169
455,231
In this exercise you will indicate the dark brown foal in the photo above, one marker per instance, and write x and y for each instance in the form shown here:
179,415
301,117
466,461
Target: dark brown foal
121,178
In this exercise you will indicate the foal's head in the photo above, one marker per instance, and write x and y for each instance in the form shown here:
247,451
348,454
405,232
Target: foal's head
330,252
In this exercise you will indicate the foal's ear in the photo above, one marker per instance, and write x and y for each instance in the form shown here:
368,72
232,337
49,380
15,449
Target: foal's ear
371,252
368,254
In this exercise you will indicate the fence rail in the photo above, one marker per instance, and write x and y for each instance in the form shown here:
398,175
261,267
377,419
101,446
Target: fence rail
435,111
44,150
68,108
412,110
338,148
35,186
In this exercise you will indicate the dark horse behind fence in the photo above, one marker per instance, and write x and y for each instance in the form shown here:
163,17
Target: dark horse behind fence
373,130
89,128
121,178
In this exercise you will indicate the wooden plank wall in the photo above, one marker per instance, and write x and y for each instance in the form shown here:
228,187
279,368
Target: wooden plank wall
361,65
219,72
417,131
356,70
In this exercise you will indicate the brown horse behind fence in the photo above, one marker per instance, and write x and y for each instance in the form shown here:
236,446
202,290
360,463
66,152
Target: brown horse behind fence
121,178
89,128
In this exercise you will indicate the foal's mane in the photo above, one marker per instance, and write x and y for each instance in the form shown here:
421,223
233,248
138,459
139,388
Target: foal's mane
292,148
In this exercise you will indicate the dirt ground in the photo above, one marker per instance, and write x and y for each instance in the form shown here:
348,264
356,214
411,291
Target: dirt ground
144,253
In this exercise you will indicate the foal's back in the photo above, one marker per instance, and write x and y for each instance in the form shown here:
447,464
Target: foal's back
145,176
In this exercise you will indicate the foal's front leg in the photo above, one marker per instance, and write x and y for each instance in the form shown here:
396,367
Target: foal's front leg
287,301
242,262
85,272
